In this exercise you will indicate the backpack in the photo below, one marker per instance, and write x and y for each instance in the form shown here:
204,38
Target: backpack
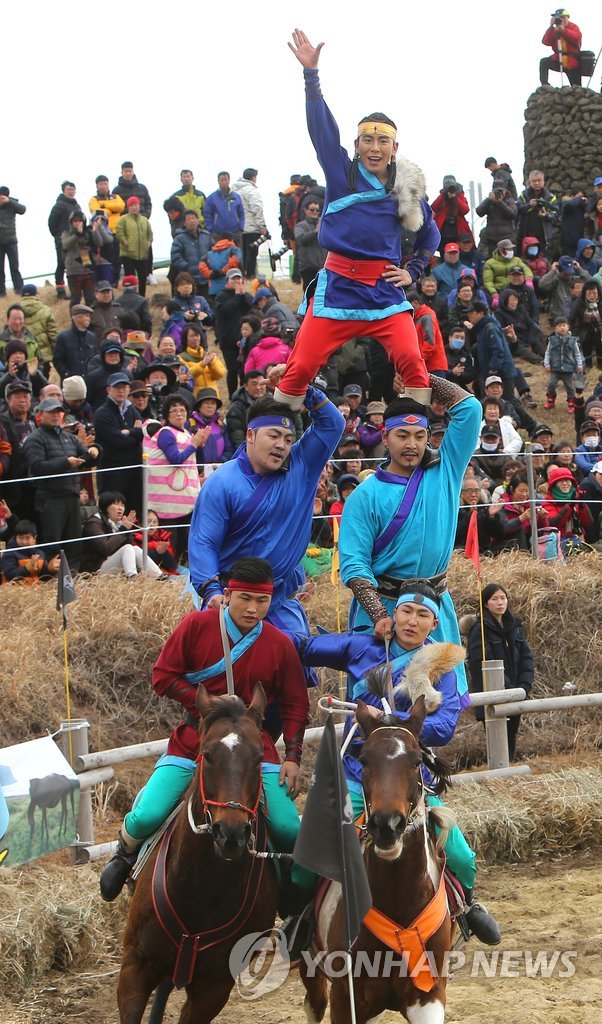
548,545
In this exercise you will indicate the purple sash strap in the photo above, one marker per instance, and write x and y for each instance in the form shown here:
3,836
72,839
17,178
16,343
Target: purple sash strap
398,520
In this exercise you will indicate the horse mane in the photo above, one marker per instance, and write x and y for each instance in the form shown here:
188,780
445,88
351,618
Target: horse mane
228,707
440,770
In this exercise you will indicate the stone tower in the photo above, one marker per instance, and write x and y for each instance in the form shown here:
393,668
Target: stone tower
563,137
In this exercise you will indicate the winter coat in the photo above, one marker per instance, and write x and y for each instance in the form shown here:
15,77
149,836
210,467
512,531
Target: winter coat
222,257
447,276
37,381
512,442
224,214
80,249
430,339
203,376
58,220
132,302
310,254
13,564
591,496
558,288
592,265
451,209
493,354
563,355
72,351
524,326
97,377
491,530
460,357
217,447
236,417
134,235
193,199
539,264
268,350
39,319
188,250
112,205
473,260
94,552
106,317
593,226
586,319
529,220
501,219
252,205
230,308
371,439
495,272
572,224
33,348
505,641
8,212
118,449
46,452
567,516
282,313
567,46
127,189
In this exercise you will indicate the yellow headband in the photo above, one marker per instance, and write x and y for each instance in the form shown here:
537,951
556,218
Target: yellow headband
376,128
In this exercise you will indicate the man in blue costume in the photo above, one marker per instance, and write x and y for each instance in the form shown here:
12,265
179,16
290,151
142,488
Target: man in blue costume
370,201
261,503
400,524
414,660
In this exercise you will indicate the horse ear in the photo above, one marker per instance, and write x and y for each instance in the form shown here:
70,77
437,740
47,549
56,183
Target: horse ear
417,716
203,700
258,704
366,719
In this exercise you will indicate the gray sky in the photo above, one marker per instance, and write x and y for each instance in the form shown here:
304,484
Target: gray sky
215,87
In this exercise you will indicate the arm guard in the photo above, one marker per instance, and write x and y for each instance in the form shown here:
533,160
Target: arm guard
446,391
365,592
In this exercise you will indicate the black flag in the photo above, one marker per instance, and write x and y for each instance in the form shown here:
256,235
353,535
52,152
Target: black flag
66,591
327,842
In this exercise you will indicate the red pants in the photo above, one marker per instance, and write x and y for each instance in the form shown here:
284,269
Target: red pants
318,338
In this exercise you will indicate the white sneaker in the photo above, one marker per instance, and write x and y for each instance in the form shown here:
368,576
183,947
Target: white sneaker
151,279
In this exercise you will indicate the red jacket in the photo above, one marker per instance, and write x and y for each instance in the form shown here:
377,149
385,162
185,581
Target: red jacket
444,207
272,660
569,43
432,348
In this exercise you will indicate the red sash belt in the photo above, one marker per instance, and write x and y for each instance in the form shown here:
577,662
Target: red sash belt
364,271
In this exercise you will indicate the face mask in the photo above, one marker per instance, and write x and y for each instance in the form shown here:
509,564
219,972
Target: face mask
456,344
532,250
591,442
508,254
487,447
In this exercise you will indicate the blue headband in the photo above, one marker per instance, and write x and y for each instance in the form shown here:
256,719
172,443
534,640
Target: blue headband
419,599
410,419
272,421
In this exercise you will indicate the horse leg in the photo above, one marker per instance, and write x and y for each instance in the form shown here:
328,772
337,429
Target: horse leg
162,994
316,989
205,1001
133,990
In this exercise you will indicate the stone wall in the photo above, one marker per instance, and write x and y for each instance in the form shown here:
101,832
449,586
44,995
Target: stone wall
563,137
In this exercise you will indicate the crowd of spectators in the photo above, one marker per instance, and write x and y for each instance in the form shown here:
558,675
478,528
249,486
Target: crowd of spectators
133,377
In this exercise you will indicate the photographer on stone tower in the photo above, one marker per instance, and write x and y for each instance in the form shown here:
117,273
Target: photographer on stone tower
565,39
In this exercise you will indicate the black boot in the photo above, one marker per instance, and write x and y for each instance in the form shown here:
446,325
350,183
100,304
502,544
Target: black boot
114,876
481,923
299,932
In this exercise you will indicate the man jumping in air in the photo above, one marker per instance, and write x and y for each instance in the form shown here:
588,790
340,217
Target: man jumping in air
371,200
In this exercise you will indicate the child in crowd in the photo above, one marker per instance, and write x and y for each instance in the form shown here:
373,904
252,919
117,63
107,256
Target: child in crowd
370,432
346,484
174,322
160,547
205,367
534,258
217,446
23,562
269,349
563,359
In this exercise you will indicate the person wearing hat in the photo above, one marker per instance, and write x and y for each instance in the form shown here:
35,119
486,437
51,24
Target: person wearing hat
162,378
128,187
493,414
585,257
537,211
544,435
450,209
471,257
371,431
588,451
10,208
75,346
17,367
489,456
135,236
448,272
499,207
74,394
533,256
18,422
513,407
216,446
564,37
269,306
231,305
562,360
111,359
135,304
39,320
572,518
497,267
354,393
106,312
460,297
118,428
57,455
80,245
360,289
526,293
346,484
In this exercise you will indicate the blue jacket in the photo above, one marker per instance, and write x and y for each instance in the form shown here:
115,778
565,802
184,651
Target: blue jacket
493,353
585,458
119,449
224,215
592,265
447,276
188,250
217,260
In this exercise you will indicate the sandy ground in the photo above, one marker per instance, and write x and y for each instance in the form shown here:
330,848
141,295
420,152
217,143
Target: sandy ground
549,906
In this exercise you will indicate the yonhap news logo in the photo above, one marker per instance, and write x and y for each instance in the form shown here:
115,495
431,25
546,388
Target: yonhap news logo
259,962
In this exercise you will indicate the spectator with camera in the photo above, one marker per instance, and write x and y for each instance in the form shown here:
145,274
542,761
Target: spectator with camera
500,210
80,245
255,230
449,210
58,222
503,173
189,248
537,211
564,37
19,368
557,285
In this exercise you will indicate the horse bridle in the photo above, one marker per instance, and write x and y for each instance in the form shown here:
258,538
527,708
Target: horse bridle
415,807
233,805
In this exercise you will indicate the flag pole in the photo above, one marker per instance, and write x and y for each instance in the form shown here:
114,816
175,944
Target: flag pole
346,908
334,579
67,691
481,615
64,596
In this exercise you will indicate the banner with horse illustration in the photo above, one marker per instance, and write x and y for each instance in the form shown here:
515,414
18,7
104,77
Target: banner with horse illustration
39,801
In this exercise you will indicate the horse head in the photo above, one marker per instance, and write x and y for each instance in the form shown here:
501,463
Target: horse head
391,758
229,772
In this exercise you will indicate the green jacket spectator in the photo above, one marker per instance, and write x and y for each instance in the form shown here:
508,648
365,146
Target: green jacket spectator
39,320
496,269
190,197
135,236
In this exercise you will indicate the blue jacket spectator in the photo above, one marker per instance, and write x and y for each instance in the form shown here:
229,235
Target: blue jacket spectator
585,256
224,212
493,355
189,247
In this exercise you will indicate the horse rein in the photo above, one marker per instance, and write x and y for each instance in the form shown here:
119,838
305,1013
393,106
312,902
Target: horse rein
416,809
233,805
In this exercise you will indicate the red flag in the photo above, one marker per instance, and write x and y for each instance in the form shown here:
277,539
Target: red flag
472,541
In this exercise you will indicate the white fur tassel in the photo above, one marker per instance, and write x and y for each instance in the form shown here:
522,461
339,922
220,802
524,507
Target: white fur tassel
409,189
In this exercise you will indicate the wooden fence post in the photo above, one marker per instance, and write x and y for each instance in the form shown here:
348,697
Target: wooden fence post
496,733
78,729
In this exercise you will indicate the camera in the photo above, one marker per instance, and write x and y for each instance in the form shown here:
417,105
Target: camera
259,241
275,257
498,193
557,21
541,204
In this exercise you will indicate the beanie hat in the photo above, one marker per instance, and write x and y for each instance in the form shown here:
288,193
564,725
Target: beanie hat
132,200
74,389
14,346
130,281
29,289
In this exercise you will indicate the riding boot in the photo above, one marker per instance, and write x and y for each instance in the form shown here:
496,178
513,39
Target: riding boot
114,876
480,922
299,931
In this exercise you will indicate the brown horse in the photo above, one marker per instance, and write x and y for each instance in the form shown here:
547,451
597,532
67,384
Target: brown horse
202,889
404,870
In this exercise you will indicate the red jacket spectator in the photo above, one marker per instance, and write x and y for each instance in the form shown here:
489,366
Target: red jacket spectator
570,42
430,339
449,210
